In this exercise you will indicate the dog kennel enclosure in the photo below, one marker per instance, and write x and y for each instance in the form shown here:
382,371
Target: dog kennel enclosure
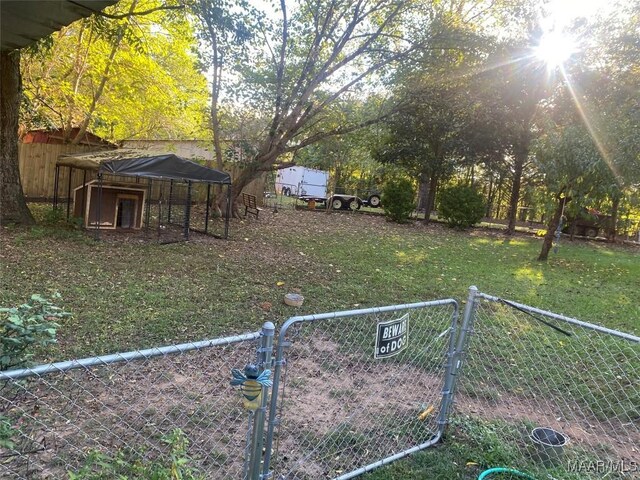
160,196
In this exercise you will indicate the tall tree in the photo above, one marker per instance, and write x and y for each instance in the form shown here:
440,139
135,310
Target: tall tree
13,208
12,205
521,82
313,55
424,137
572,167
611,90
224,29
443,121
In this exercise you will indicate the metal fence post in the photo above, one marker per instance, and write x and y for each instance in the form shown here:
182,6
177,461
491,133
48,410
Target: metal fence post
458,357
273,408
264,363
450,375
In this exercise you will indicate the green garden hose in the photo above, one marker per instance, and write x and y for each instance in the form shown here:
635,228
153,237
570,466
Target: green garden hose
511,471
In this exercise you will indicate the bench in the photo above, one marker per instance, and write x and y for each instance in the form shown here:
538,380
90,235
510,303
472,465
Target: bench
250,205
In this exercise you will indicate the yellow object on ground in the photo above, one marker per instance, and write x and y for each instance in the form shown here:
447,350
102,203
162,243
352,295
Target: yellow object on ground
426,413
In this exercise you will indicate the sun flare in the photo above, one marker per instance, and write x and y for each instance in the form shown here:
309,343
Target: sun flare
555,48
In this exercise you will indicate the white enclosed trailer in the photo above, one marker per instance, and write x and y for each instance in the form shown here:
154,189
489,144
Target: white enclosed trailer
301,181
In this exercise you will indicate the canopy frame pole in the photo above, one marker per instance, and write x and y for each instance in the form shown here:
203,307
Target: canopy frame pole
206,213
69,192
99,206
170,200
147,214
84,193
228,213
56,182
187,212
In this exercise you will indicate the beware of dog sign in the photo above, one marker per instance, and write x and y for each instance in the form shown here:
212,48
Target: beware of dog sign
392,337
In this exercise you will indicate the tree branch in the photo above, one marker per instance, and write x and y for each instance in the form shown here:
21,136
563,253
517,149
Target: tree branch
336,131
138,14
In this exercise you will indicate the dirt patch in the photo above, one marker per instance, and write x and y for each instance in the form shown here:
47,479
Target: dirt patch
129,407
342,410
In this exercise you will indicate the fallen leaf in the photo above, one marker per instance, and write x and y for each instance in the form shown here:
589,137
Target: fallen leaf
266,306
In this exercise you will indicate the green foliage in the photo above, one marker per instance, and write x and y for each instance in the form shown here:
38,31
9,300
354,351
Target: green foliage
6,433
461,206
25,327
173,466
135,76
398,199
53,216
56,217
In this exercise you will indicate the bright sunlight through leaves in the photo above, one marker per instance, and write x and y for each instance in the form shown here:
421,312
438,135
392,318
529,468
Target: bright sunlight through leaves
555,48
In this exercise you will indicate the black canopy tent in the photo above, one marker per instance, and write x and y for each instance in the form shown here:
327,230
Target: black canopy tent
163,167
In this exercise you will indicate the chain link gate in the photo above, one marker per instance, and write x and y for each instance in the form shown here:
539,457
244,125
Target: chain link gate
560,396
130,411
361,387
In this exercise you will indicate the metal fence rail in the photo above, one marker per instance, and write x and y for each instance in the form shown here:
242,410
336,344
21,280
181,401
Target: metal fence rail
58,419
526,368
339,411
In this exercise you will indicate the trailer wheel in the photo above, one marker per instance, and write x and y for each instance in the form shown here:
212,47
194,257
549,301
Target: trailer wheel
336,203
591,232
354,204
374,201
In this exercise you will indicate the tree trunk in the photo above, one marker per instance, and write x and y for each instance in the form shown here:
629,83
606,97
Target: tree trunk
498,202
261,163
431,200
217,140
611,223
423,194
490,195
551,230
520,158
572,229
13,207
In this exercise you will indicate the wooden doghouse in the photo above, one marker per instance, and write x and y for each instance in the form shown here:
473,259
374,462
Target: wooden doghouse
111,206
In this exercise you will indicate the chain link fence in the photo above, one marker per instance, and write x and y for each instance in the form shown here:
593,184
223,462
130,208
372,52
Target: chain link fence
280,197
102,416
339,410
352,391
558,396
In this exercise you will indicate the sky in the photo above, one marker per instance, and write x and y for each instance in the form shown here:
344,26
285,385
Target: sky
565,11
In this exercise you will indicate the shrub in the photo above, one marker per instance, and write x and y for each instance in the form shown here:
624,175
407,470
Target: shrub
461,206
173,466
26,326
53,216
398,199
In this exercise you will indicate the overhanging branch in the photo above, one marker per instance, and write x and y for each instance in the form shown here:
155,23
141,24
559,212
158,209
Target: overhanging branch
141,13
336,131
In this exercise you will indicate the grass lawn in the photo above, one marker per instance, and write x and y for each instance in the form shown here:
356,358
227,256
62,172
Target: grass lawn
126,294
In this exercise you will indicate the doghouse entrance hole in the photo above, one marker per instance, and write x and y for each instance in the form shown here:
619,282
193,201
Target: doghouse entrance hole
126,213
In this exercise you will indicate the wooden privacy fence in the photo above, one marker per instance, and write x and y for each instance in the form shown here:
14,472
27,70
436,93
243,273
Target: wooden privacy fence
38,170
